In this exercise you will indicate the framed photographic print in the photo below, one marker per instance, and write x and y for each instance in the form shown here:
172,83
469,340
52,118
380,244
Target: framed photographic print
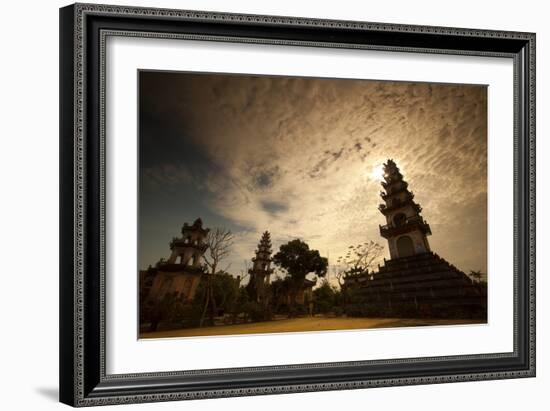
262,204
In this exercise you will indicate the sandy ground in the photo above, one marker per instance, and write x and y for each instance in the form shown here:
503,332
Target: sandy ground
302,324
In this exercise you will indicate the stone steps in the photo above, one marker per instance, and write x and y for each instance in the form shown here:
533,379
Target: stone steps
420,279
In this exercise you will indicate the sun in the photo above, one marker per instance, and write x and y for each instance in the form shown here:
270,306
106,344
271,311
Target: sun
377,172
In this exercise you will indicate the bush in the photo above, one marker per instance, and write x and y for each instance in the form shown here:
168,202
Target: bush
323,298
323,307
354,310
255,312
281,309
189,315
338,311
297,310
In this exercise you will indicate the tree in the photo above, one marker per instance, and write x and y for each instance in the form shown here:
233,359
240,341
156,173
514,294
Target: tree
219,243
480,280
476,275
244,273
298,260
359,259
160,311
324,298
280,289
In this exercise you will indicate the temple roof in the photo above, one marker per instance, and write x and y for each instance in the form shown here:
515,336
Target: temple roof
196,226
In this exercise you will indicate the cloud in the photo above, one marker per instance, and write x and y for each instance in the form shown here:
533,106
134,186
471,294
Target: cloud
294,156
273,207
167,175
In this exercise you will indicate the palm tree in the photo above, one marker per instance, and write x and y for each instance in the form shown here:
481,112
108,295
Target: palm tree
476,275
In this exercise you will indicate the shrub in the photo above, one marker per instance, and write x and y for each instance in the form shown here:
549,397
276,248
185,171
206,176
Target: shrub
297,310
255,312
323,298
338,311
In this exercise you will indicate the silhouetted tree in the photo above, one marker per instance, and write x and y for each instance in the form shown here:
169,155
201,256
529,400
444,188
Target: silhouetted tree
298,260
480,280
279,289
359,259
219,243
476,275
324,298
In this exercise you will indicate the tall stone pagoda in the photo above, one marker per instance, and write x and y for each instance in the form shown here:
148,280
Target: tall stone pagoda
179,276
406,230
415,281
261,270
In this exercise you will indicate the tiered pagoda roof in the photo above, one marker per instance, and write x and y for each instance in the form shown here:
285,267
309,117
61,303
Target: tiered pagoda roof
193,236
195,227
263,252
397,196
261,270
411,223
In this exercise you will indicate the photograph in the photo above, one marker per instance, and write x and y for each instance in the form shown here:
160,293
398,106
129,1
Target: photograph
290,201
276,204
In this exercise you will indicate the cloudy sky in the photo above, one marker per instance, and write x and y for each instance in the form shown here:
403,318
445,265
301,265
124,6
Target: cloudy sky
300,157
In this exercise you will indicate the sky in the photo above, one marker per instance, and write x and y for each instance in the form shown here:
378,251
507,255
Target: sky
301,158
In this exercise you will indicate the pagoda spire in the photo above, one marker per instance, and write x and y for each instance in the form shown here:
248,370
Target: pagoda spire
406,230
261,270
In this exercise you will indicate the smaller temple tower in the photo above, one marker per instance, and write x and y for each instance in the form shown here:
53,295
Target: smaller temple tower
189,249
261,270
406,230
180,275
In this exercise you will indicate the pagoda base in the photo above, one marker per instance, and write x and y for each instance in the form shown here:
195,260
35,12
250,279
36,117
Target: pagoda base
423,285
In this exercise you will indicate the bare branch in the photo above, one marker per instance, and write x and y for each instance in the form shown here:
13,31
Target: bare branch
359,259
220,241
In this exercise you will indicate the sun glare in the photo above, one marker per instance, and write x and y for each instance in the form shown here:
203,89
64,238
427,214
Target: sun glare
377,172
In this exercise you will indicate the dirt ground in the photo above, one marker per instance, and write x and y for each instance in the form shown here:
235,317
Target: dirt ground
303,324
